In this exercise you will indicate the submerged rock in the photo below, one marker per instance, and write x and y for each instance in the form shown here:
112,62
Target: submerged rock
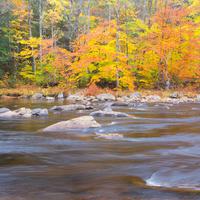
3,110
105,97
76,123
120,104
71,107
108,112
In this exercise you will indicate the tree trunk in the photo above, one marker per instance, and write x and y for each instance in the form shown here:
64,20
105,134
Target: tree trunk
117,42
40,29
88,17
31,35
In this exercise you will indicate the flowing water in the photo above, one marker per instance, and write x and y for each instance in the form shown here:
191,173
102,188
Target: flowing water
154,155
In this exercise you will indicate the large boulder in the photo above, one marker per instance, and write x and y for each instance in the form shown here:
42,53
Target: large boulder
76,123
37,96
3,110
40,112
106,97
71,107
108,112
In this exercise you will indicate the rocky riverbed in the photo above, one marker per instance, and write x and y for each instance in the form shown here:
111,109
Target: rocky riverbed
102,147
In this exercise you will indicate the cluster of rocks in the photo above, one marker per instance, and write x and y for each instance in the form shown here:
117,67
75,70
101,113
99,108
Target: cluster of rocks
40,96
133,98
22,113
125,100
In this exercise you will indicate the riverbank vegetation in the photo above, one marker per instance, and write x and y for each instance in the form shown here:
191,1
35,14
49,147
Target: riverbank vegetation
113,44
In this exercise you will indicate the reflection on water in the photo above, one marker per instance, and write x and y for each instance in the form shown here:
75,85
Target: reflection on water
154,156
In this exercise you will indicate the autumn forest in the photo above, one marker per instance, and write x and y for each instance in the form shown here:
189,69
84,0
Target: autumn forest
115,44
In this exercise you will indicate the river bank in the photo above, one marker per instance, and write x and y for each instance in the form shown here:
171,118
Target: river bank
53,94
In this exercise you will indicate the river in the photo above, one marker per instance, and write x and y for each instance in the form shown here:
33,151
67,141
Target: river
154,155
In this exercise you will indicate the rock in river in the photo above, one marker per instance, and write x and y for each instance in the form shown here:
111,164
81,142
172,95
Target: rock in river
153,98
70,107
39,112
105,97
76,123
198,97
22,112
3,110
37,96
75,97
108,112
119,104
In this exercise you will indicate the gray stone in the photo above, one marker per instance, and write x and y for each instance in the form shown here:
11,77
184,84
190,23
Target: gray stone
61,95
75,97
76,123
3,110
175,95
136,96
24,112
105,97
9,114
37,96
71,107
153,98
50,98
108,112
120,104
40,112
20,113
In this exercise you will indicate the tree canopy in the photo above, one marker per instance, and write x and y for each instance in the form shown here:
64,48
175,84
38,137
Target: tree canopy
119,44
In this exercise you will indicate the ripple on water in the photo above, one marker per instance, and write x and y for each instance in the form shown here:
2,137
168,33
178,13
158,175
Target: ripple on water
110,136
182,178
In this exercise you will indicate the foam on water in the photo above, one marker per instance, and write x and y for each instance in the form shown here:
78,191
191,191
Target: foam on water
110,136
176,179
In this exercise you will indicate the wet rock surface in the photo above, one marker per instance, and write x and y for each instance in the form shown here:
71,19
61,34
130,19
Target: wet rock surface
3,110
84,122
37,96
71,107
105,97
108,112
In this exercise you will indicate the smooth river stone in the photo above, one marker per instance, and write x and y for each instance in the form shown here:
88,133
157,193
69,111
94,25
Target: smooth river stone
76,123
